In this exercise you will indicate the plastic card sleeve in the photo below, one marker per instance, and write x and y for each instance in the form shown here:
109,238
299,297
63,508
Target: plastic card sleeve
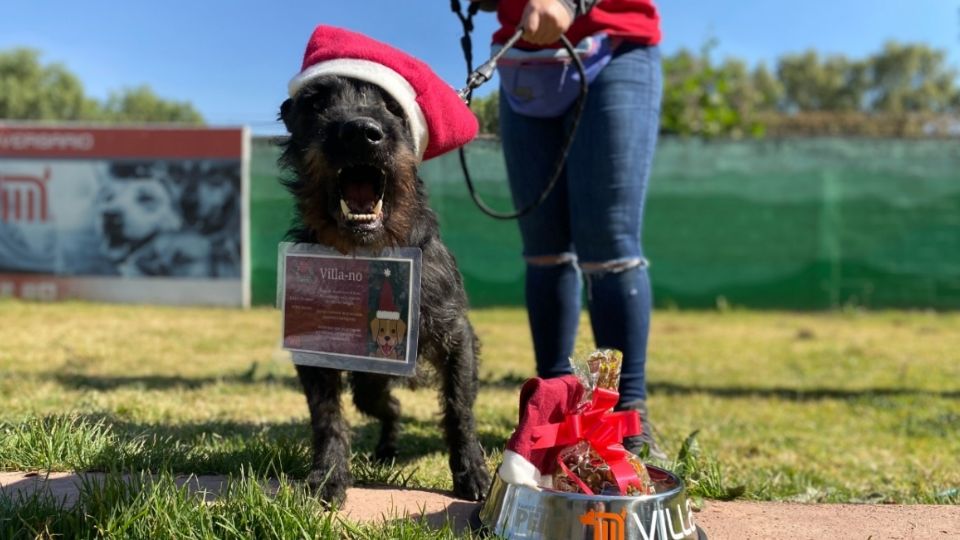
355,312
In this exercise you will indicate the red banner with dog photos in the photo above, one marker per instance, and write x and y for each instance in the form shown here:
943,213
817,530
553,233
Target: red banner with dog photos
147,215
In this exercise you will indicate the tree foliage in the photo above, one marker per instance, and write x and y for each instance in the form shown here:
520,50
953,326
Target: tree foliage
141,104
912,78
30,90
901,90
487,109
701,98
814,84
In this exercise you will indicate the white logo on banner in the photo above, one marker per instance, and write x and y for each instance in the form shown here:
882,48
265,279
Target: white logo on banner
23,198
46,141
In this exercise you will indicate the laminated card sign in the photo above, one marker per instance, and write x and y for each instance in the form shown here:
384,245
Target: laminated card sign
352,312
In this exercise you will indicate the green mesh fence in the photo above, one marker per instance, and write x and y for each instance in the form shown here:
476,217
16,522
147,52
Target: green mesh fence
796,224
270,212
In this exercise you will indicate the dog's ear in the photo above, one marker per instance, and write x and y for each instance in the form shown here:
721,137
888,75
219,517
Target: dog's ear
375,327
285,114
401,330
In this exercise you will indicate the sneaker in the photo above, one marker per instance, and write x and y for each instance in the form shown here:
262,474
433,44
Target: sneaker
643,445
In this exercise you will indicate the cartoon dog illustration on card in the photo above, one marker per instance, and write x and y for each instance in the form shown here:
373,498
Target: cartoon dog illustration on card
388,330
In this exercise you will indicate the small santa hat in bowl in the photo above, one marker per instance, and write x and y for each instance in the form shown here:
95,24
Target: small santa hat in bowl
542,401
439,120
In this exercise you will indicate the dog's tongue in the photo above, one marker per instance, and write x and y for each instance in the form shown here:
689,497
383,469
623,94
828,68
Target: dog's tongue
360,196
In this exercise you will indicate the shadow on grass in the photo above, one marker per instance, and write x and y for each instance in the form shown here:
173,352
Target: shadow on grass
513,380
461,516
794,394
97,442
419,438
79,381
507,381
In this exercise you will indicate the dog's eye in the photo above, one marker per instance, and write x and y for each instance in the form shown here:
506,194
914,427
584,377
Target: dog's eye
313,102
147,201
394,108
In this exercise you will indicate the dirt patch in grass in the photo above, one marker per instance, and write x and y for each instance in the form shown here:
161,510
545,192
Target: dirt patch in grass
718,519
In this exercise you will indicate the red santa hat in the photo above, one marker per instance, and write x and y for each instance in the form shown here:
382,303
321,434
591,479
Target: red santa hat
439,120
542,401
388,309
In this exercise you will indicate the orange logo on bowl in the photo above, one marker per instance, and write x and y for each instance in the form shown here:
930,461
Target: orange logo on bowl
606,525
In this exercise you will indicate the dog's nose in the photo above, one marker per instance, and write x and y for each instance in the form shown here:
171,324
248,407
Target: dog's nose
386,338
361,130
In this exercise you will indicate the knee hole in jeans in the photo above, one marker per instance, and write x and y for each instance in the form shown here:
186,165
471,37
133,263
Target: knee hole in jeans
551,260
613,267
597,270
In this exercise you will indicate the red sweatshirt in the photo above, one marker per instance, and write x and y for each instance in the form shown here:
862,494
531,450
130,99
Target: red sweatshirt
632,20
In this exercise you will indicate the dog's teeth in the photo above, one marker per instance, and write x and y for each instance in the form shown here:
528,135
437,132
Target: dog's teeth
378,208
359,217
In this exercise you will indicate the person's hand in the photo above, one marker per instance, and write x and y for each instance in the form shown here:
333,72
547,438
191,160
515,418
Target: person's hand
544,21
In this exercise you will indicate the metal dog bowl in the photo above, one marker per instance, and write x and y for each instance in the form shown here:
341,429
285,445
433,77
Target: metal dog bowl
515,512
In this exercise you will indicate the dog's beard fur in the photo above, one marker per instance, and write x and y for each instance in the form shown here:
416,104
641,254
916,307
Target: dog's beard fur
328,167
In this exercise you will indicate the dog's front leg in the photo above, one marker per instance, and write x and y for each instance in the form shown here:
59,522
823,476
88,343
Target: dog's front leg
329,474
469,470
371,395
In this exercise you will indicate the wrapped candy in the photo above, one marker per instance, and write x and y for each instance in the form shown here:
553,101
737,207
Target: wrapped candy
568,438
581,468
601,369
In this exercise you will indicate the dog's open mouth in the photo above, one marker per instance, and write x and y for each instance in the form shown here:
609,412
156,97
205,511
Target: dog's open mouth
361,194
113,233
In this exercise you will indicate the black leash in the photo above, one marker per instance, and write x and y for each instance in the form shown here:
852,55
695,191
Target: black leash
481,75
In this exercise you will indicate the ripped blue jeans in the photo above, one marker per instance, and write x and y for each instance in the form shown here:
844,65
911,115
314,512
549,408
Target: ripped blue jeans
589,229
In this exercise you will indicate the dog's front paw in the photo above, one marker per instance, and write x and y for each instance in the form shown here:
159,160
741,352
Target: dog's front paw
385,452
329,486
473,482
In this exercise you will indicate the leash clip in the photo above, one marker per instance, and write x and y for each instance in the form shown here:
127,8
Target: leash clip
484,73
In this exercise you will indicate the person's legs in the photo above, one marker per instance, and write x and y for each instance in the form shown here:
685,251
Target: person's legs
531,147
608,172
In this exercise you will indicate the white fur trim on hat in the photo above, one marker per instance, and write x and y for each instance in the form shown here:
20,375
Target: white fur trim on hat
384,77
388,315
516,469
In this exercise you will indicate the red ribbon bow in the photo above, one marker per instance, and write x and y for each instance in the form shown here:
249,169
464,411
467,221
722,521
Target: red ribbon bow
604,431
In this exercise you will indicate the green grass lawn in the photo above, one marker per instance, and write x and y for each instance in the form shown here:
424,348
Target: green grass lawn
838,407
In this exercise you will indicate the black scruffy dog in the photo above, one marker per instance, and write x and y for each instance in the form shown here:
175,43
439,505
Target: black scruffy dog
354,176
